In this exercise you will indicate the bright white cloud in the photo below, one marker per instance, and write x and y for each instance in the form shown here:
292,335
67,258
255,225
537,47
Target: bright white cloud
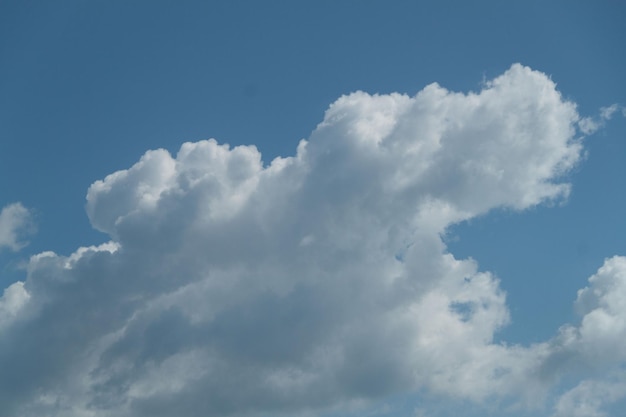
319,280
15,222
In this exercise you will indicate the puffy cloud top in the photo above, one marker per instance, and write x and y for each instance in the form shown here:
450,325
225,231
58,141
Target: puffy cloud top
315,281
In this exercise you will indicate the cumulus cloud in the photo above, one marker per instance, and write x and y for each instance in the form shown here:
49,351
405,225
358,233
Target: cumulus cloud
15,222
237,287
596,346
603,303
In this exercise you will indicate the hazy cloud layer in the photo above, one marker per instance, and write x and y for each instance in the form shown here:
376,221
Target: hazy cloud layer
319,280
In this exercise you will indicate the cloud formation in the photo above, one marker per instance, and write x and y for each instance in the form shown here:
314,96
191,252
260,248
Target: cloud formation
15,222
320,280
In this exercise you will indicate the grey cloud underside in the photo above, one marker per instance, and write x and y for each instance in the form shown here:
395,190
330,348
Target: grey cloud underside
320,280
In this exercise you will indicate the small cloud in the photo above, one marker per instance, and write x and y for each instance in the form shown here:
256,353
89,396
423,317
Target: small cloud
606,113
16,222
590,125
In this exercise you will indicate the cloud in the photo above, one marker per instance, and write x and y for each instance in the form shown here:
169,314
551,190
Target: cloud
596,345
313,282
589,397
590,125
603,303
15,222
12,300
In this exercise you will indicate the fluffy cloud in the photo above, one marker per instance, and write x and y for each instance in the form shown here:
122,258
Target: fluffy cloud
320,280
15,222
603,303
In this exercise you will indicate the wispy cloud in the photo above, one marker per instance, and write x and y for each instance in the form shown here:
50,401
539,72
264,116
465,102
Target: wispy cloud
590,125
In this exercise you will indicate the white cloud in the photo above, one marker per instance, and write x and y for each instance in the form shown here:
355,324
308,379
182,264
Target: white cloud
317,281
15,222
13,299
603,302
590,397
597,343
590,125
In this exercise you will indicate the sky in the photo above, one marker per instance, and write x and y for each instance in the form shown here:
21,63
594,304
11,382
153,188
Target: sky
322,209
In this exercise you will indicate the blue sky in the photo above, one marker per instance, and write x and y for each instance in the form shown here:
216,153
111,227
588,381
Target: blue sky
88,87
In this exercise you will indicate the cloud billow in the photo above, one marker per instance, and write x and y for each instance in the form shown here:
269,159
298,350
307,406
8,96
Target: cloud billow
316,281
